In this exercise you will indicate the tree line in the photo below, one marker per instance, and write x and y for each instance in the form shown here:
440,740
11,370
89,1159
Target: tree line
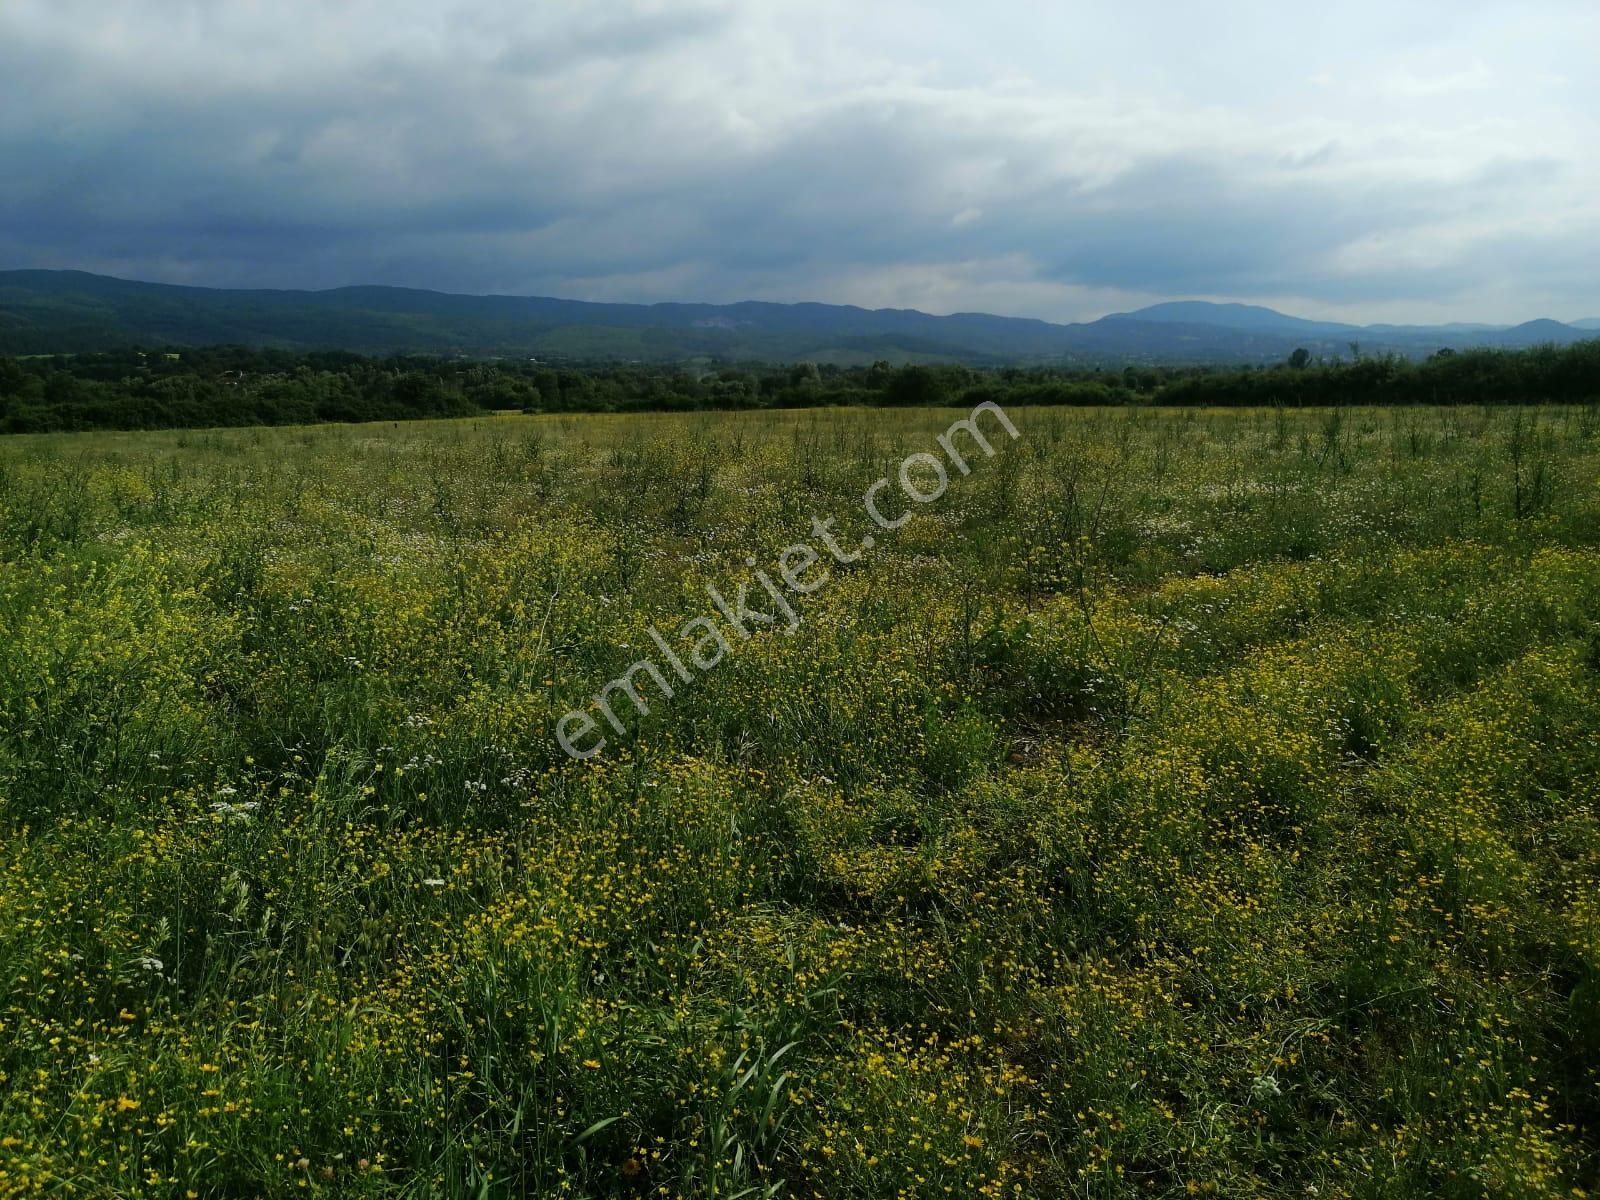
233,385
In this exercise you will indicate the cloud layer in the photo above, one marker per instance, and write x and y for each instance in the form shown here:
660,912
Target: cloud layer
1369,161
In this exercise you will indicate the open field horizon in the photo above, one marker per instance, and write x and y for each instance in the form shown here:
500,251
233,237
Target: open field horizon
1181,801
557,641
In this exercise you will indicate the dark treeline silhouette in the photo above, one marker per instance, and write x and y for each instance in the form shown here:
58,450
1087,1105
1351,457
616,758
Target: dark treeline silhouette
230,385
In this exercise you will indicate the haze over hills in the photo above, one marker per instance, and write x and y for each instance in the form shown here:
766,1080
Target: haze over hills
1234,316
46,312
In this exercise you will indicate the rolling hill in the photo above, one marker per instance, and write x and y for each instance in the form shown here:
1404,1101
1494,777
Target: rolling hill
46,312
1250,317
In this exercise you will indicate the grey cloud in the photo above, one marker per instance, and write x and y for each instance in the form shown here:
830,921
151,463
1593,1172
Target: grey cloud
595,148
611,37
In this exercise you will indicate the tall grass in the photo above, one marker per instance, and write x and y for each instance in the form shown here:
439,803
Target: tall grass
1187,802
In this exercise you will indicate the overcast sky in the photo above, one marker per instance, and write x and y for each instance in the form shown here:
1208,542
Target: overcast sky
1371,160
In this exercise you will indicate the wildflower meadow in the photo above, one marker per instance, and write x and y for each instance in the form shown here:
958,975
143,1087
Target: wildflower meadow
1186,802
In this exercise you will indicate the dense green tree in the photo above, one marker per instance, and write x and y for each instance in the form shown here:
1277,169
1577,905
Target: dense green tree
231,385
914,385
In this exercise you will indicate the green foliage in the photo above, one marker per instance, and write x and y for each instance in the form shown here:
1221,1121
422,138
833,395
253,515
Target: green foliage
232,386
1188,802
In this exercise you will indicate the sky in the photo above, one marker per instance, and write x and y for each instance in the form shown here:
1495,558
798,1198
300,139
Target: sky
1370,160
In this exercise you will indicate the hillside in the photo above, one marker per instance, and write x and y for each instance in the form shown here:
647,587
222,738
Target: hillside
47,312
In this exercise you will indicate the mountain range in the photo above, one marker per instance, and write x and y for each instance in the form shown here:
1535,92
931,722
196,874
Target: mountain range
51,312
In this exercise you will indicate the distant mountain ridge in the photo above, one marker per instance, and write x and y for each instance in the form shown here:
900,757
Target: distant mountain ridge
46,312
1234,316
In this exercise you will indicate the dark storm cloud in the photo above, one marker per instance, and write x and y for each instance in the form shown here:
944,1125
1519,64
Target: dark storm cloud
911,155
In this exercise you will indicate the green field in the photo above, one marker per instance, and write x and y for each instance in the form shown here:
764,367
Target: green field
1182,803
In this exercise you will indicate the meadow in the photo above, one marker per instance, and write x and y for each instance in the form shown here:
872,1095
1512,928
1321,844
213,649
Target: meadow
1190,802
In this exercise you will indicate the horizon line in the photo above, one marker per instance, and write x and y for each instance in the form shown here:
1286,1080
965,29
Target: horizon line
1575,323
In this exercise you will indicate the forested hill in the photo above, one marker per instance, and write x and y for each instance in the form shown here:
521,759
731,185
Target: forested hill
221,386
52,312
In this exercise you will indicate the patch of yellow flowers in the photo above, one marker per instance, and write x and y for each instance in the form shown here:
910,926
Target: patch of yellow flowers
1174,812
